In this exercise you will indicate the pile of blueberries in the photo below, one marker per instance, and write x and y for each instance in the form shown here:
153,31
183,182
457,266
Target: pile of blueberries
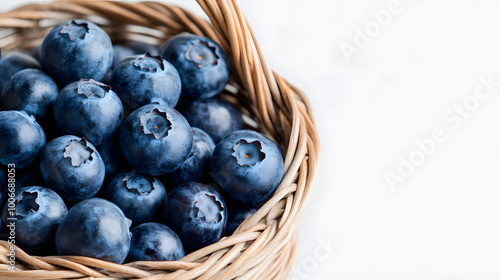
91,127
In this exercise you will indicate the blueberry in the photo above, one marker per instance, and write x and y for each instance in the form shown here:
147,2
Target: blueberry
247,165
237,213
72,167
38,211
89,109
197,213
202,65
215,116
30,90
13,63
21,138
196,167
139,196
154,242
76,49
156,139
94,228
144,79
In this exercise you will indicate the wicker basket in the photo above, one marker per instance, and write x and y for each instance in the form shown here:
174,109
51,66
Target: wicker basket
263,247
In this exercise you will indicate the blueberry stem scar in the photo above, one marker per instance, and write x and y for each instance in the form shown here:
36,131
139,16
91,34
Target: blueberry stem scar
248,153
90,87
201,54
27,204
205,204
75,30
149,63
156,123
139,184
78,152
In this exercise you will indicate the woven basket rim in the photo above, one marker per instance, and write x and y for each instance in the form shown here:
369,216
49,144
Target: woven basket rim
264,245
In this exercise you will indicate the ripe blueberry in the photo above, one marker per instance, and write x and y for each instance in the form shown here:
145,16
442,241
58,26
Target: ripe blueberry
76,49
72,167
197,213
202,65
247,165
156,139
89,109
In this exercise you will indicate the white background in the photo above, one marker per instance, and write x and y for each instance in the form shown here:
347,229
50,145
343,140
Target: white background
443,221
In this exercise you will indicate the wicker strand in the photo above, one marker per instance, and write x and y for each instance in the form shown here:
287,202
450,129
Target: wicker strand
264,245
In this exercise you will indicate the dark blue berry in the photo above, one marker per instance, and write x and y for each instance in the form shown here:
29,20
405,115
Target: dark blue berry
197,213
247,165
72,167
202,65
21,138
94,228
76,49
139,196
156,139
144,79
38,211
154,242
89,109
30,90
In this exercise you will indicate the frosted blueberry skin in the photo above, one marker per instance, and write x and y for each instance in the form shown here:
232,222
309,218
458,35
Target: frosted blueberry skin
196,167
202,64
197,212
13,63
154,242
38,211
76,49
144,79
247,165
72,167
215,116
32,91
21,138
156,139
94,228
139,196
89,109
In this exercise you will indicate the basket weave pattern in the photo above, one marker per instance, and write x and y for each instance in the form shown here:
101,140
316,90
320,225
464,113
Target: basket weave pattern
263,247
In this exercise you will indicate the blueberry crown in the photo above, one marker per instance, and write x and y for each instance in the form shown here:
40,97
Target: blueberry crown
149,63
78,152
26,203
155,123
248,153
75,30
139,184
90,87
209,209
202,54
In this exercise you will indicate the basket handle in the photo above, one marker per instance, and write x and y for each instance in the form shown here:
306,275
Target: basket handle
239,40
